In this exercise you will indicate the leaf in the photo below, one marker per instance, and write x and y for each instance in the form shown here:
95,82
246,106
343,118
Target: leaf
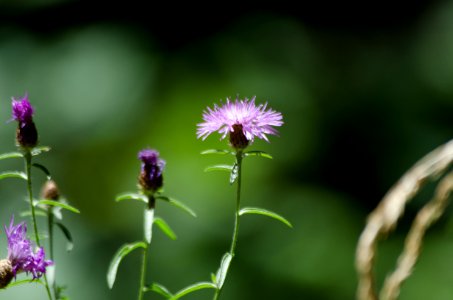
148,224
160,289
119,255
58,204
234,173
132,196
213,279
216,151
192,288
42,168
13,174
38,150
258,153
223,270
38,213
20,282
165,228
11,155
67,234
227,168
264,212
178,204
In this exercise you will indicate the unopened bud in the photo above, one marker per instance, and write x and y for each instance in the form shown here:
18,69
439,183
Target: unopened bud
27,135
6,273
50,190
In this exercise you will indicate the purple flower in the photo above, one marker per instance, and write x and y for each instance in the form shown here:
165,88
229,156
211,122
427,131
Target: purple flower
150,177
20,251
242,119
22,109
26,134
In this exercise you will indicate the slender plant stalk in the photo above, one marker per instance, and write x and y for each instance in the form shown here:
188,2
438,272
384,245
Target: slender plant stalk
385,217
27,156
428,215
151,203
236,217
50,219
238,204
30,195
143,273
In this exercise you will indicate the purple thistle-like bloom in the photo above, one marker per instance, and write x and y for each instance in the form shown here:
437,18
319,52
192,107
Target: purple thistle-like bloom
20,252
22,109
242,119
151,178
26,134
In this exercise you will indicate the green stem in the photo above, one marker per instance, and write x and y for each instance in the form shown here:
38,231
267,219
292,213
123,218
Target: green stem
236,217
30,196
238,204
151,204
27,156
143,273
50,218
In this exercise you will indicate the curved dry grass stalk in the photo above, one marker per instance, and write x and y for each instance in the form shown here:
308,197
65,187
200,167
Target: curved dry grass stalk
385,217
429,214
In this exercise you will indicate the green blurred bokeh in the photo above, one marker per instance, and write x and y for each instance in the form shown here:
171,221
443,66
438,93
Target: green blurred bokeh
359,109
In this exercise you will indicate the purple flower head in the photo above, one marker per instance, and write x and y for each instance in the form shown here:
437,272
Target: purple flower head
26,134
20,251
242,119
22,109
151,172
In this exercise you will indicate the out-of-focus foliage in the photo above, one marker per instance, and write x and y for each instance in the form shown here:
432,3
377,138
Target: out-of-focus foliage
360,106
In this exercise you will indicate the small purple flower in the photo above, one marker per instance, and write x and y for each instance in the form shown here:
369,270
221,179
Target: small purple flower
26,134
20,251
242,119
150,177
22,109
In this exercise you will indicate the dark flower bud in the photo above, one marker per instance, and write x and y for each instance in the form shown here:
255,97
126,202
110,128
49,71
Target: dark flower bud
50,190
27,135
151,178
6,273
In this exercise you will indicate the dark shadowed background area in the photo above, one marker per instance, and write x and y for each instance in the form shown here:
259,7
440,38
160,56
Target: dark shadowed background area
364,91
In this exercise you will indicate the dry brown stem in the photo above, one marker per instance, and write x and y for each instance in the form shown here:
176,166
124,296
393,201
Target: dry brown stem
429,214
385,217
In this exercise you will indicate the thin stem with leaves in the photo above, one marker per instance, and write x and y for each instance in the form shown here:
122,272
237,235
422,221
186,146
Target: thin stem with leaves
27,157
238,164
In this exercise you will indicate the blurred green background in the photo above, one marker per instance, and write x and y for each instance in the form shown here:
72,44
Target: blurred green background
363,94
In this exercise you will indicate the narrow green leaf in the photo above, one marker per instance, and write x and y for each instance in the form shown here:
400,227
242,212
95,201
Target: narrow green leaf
178,204
223,270
234,173
226,168
58,204
38,150
119,255
43,169
148,224
67,234
258,153
165,228
216,151
131,196
160,289
213,279
13,174
24,281
38,213
192,288
11,155
264,212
